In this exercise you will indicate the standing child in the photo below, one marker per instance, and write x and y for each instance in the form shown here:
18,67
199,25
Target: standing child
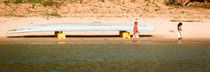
180,35
135,31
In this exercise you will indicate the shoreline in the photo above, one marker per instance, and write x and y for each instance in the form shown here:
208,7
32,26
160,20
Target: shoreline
91,40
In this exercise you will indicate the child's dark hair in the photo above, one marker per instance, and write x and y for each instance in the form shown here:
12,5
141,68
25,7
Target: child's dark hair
135,22
179,24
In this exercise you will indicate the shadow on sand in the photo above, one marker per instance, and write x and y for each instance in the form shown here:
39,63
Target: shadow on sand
74,36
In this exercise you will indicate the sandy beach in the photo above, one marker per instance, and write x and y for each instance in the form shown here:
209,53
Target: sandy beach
165,29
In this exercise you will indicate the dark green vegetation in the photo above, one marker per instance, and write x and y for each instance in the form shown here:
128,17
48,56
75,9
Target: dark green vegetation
56,14
45,2
51,2
102,0
170,2
104,57
185,2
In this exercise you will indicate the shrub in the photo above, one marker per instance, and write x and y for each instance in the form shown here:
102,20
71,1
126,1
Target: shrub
13,1
170,2
80,1
157,9
147,4
19,1
102,0
35,1
55,14
43,2
47,3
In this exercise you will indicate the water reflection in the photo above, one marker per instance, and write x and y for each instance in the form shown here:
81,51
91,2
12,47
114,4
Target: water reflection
105,57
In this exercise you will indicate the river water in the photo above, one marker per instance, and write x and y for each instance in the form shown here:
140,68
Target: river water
105,57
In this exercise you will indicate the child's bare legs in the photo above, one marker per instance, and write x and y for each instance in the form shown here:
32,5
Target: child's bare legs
179,40
135,37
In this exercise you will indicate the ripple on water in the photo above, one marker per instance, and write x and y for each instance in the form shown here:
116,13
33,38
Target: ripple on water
105,57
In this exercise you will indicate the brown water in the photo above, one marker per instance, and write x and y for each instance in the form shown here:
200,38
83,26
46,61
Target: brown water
105,57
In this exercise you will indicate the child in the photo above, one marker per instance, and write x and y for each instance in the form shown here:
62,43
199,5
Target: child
180,35
135,30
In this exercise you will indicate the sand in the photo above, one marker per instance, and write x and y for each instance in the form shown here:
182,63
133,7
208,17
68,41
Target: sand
165,29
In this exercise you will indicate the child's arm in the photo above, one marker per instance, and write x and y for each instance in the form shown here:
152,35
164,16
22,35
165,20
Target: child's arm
137,30
180,33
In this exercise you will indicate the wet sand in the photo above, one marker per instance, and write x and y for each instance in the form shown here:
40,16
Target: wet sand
91,40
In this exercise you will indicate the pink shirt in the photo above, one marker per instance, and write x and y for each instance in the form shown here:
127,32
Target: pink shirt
135,29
